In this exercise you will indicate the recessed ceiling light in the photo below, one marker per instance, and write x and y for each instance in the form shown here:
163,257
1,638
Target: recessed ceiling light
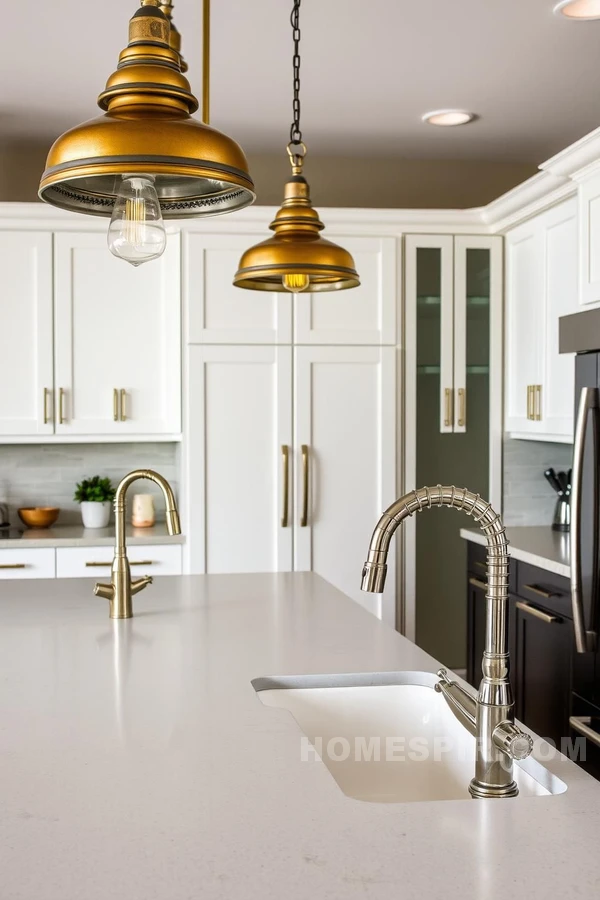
448,117
583,10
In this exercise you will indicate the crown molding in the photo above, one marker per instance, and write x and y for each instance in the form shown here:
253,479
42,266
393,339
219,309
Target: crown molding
575,158
256,219
533,196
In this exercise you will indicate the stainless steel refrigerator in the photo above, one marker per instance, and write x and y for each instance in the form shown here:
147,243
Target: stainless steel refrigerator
580,334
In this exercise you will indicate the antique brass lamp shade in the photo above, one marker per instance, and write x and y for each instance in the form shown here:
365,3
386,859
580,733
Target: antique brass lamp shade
296,258
147,129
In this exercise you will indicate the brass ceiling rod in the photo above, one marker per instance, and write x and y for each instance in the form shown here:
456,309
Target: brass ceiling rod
206,62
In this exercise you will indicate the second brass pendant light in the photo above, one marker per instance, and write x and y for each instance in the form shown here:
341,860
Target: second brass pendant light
296,258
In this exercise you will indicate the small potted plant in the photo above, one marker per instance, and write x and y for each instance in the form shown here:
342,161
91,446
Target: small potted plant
95,496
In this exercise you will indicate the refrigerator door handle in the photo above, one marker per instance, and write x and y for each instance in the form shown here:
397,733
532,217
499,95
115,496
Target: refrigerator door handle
589,403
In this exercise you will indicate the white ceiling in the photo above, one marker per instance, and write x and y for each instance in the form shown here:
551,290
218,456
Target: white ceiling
370,69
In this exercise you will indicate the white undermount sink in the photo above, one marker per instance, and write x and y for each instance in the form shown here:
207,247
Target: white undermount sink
424,752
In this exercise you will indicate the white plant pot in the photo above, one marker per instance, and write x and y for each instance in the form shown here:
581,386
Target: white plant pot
95,514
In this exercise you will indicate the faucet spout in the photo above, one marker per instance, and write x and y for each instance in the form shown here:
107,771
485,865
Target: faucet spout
121,588
499,741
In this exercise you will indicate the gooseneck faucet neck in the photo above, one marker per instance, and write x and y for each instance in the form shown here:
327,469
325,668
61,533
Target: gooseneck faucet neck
172,516
499,741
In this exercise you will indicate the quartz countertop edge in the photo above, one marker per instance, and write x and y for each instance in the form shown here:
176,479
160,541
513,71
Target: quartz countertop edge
538,545
138,761
78,536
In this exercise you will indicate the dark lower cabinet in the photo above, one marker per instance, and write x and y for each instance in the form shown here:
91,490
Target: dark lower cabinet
541,642
541,668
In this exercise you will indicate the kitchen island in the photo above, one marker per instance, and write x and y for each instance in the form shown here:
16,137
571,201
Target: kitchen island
139,763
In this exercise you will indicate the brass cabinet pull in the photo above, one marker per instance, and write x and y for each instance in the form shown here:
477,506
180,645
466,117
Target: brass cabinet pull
12,565
478,583
582,725
115,405
285,453
304,518
547,595
529,404
123,405
537,613
107,565
61,406
462,407
537,407
47,393
448,415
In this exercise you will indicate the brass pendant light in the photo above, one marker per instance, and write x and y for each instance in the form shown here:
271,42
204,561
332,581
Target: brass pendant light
296,258
146,151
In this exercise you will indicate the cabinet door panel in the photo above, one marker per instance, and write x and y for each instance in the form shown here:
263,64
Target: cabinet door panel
26,333
562,266
542,670
239,417
218,312
524,322
117,328
362,315
589,234
345,415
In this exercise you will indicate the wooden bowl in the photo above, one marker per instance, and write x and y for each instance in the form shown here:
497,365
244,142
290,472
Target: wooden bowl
38,516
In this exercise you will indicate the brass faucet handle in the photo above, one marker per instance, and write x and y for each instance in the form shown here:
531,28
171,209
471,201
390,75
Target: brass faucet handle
140,583
104,590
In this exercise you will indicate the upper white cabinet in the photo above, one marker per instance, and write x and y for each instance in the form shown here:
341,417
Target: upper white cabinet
542,285
26,333
219,313
362,315
589,235
117,340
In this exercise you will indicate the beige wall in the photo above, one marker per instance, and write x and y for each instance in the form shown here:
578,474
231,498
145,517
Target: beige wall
335,181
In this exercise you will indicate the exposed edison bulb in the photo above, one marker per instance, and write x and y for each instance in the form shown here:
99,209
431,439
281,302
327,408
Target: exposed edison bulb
295,283
136,232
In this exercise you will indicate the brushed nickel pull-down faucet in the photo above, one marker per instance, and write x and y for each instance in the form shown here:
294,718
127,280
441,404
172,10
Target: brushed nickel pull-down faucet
121,588
489,718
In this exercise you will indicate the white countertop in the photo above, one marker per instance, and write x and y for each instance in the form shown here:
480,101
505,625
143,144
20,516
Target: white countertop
78,536
138,763
540,546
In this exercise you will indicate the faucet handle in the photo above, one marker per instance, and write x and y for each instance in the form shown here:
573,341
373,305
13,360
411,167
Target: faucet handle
140,583
514,742
104,590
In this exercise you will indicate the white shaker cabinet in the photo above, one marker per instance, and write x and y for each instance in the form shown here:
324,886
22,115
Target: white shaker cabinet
263,497
541,286
26,333
589,236
362,315
239,419
117,340
345,463
218,312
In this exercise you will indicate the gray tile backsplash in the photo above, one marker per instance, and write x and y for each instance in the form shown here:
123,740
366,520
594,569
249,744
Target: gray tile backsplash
528,498
46,474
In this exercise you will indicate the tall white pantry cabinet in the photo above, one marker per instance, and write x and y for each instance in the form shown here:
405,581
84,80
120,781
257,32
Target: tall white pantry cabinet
290,416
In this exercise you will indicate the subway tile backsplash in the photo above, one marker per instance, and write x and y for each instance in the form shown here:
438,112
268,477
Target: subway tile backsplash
46,474
528,498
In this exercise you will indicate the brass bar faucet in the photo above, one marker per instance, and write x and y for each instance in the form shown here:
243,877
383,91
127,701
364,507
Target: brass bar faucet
121,588
490,718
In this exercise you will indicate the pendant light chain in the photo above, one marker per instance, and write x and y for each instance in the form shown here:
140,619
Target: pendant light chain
295,132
